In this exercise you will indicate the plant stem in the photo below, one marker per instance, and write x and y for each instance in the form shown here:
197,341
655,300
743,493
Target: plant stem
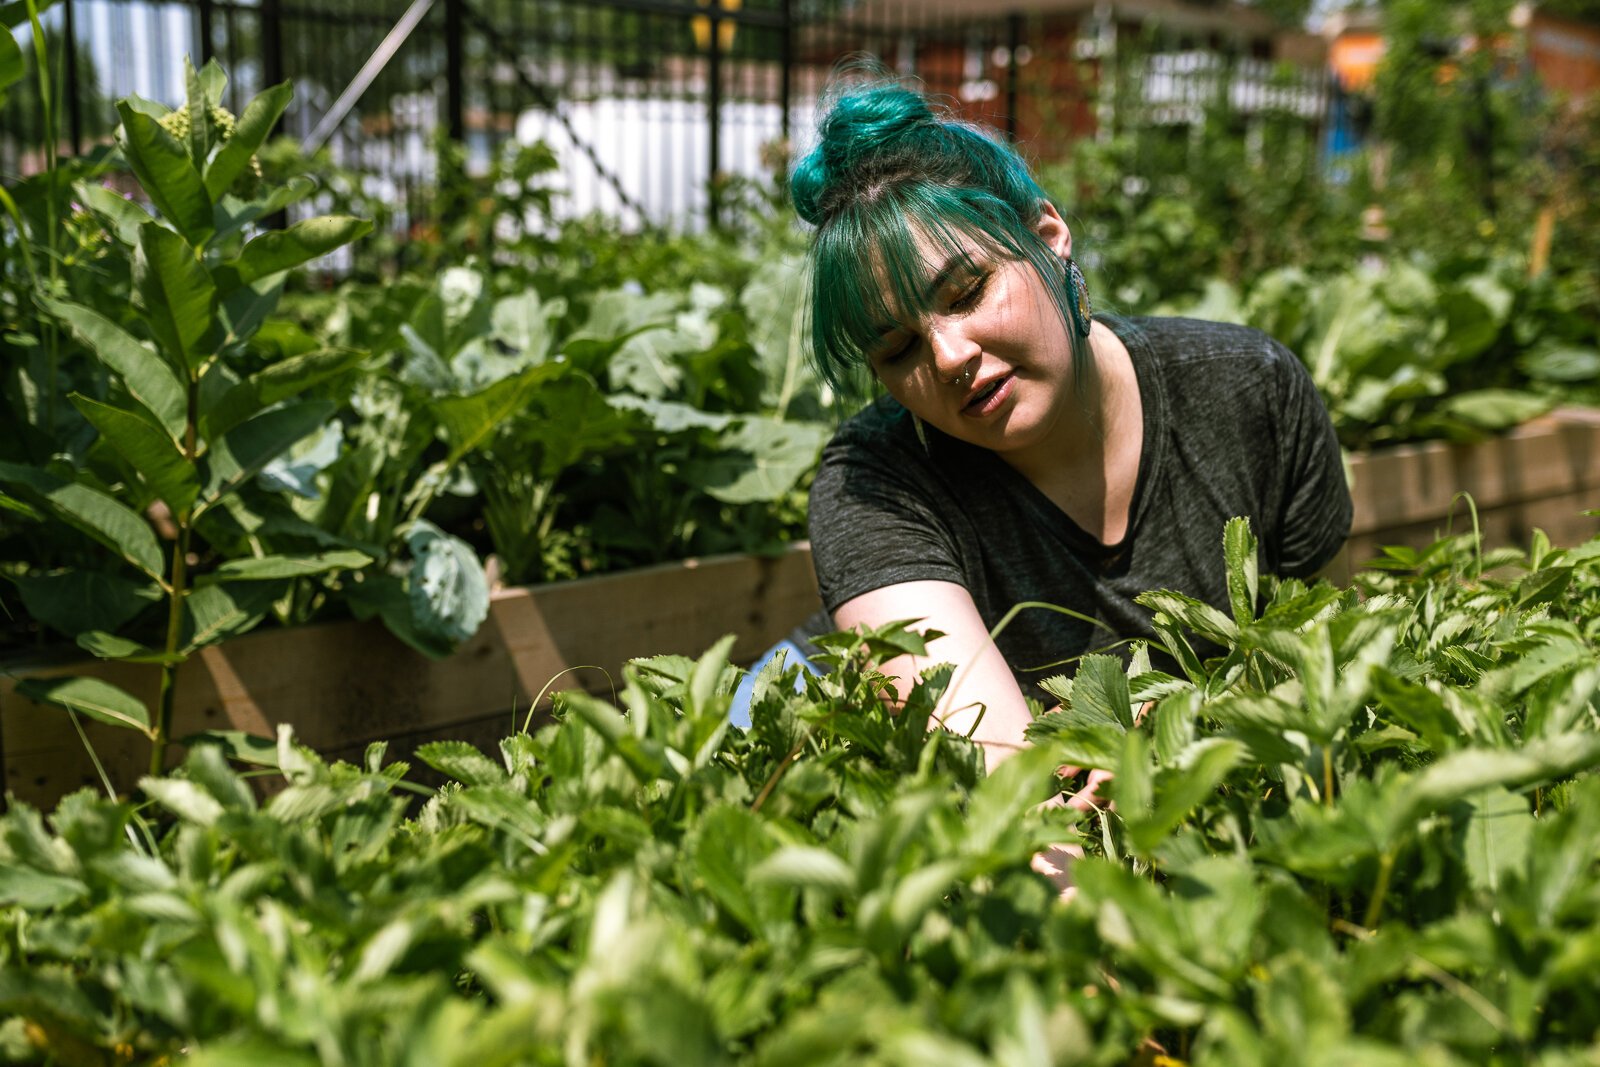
1379,891
176,592
1327,775
169,666
52,169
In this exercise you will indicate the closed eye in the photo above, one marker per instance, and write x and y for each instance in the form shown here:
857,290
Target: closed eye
892,350
968,298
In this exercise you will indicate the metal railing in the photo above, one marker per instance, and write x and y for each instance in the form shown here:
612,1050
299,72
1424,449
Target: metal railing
650,106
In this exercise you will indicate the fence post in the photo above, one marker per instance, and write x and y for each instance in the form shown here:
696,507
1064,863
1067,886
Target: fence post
1013,45
454,69
207,46
786,60
714,114
271,42
74,101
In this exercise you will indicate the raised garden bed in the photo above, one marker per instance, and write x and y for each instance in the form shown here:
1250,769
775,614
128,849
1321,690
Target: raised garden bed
345,684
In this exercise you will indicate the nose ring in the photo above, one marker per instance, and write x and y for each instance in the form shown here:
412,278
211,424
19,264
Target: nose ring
964,378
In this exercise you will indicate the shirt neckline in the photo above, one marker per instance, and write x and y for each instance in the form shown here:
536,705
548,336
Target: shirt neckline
1152,402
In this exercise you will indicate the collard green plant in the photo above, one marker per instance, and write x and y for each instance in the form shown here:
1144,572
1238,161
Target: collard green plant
1366,833
172,431
1415,350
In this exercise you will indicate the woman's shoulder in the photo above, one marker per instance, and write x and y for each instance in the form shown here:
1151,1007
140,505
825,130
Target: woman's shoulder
882,427
1179,340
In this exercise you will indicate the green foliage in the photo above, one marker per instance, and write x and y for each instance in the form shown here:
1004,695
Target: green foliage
1409,349
165,433
1365,833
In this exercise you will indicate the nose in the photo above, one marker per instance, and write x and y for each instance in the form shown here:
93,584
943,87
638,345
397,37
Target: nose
953,351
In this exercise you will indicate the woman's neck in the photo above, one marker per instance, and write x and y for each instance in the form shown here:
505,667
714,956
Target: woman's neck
1089,463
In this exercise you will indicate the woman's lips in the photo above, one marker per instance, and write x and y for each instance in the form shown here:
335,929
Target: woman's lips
988,399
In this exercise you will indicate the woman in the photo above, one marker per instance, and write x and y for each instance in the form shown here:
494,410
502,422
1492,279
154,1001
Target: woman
1026,450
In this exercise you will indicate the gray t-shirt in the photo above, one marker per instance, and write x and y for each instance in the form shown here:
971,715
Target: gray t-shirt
1232,426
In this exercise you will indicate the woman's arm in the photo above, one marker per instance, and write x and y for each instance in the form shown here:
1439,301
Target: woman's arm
981,682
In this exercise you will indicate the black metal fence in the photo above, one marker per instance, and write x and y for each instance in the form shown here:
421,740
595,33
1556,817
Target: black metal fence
650,106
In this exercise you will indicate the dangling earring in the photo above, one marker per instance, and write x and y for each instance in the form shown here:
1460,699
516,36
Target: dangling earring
922,435
1082,311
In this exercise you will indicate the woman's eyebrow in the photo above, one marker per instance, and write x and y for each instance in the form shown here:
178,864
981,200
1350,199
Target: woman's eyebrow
956,262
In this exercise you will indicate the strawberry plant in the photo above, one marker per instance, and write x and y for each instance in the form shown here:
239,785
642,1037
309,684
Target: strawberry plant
1366,833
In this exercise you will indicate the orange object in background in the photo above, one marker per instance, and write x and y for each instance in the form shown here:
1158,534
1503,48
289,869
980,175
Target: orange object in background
1354,58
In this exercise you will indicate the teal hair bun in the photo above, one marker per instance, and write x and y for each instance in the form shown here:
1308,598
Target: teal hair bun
864,126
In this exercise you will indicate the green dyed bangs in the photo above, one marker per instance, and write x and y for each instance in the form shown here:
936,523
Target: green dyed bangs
868,271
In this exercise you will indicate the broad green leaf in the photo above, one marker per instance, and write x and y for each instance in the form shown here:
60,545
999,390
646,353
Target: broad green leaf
448,589
384,595
1491,410
759,460
806,867
296,470
234,214
174,293
237,745
1416,706
184,799
616,313
148,378
461,761
280,250
1002,799
12,67
1466,772
244,308
773,302
1133,787
526,324
148,447
109,646
1197,615
123,215
213,612
498,806
99,700
1578,366
728,843
249,133
1498,836
199,140
100,515
166,172
1179,790
244,450
277,382
469,421
273,568
37,890
15,12
1100,691
1239,554
670,416
78,600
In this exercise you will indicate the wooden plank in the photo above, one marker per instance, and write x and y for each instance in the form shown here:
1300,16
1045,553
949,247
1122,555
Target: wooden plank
1552,456
344,684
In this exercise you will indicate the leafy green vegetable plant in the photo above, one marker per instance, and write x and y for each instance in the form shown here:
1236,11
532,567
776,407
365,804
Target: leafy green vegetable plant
174,431
1365,833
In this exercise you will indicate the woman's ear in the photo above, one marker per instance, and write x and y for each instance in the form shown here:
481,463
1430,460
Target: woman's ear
1052,229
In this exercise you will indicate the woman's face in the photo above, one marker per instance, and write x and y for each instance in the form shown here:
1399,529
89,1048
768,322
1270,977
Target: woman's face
991,364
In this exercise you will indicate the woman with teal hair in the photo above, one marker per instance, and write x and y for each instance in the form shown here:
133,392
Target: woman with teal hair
1024,448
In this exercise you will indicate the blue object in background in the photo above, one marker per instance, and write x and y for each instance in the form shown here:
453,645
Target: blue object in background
739,713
